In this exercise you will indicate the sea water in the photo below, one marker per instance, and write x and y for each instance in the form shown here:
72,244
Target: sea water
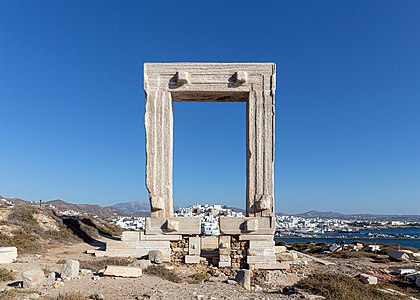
401,236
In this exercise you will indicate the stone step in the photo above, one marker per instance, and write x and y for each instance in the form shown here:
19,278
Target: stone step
270,266
261,259
253,244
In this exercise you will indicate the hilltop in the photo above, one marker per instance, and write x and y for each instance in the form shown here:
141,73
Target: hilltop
92,209
34,229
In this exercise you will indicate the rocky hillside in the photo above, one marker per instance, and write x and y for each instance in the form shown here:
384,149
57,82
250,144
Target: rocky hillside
34,230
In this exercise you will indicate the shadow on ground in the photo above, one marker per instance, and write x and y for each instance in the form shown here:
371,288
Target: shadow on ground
74,224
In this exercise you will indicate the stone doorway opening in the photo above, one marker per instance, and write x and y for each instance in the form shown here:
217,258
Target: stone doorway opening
209,161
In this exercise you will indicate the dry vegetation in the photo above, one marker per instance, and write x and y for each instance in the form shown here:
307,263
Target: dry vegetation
199,277
341,287
310,248
97,264
162,272
6,275
23,229
70,296
26,233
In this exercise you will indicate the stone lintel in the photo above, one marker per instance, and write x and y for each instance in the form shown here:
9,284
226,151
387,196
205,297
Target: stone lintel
185,226
209,77
247,225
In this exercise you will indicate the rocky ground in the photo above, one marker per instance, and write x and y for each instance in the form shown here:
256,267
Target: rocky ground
191,282
144,287
45,244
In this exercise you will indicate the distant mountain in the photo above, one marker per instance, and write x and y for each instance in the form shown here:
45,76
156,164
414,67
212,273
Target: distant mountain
135,208
92,209
237,209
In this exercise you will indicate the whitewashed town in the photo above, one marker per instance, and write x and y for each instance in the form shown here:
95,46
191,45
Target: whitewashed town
286,225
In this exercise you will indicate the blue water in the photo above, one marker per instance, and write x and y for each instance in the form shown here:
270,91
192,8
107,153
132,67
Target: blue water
363,236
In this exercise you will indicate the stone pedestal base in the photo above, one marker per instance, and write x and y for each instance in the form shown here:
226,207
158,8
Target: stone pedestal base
253,251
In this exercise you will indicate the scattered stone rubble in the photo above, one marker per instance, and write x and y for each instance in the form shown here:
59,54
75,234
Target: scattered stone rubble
398,255
70,269
32,277
8,255
368,279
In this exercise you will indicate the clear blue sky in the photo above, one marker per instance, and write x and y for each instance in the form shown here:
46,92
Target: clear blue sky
347,101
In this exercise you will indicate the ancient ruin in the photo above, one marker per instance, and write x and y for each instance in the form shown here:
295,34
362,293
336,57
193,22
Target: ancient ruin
244,241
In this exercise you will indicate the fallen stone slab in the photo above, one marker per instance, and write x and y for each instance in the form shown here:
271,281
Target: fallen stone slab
312,258
404,271
392,292
368,279
418,280
85,271
32,277
286,256
398,255
412,276
121,271
243,277
8,255
335,248
70,269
